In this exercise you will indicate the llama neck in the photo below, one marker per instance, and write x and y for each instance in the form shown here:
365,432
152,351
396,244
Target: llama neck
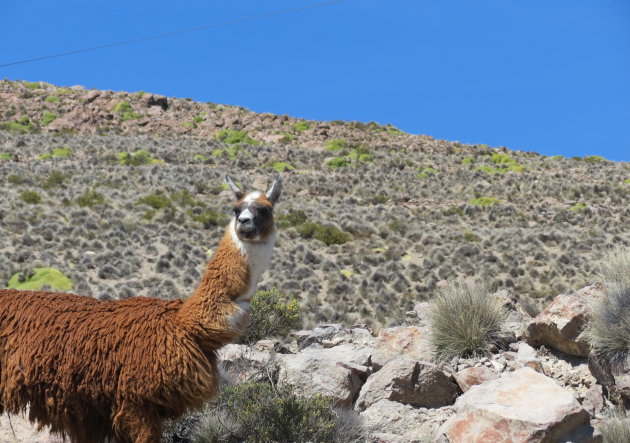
227,285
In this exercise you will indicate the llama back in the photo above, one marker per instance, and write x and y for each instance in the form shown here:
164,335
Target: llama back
63,352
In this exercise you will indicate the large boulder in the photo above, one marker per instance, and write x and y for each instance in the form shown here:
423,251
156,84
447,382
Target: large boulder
561,325
403,341
523,405
337,372
416,383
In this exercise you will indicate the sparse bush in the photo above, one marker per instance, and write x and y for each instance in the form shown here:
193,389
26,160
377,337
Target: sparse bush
32,85
52,99
90,198
273,314
290,219
301,126
483,201
155,200
138,158
282,166
468,161
232,137
338,162
210,218
595,159
327,234
31,197
48,117
54,179
15,179
259,412
336,144
609,328
578,207
125,111
465,319
22,125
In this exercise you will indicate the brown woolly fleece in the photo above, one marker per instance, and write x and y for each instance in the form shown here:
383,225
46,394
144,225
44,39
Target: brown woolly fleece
95,370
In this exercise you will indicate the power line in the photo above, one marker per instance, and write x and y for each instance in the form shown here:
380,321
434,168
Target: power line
169,34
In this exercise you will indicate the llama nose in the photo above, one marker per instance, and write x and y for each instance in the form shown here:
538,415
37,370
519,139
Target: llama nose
242,219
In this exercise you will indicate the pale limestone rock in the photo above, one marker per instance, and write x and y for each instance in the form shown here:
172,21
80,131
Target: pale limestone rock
523,405
470,377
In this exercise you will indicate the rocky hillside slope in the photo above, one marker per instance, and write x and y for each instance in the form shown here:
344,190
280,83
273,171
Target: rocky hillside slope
122,192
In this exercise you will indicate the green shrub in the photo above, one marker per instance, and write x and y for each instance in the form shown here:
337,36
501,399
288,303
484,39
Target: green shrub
54,179
286,137
90,198
21,126
627,181
291,218
60,152
595,159
301,126
200,157
5,156
609,327
489,169
123,106
338,162
468,161
426,171
189,124
336,144
155,200
210,218
392,130
578,207
15,179
465,319
502,159
257,412
33,280
48,117
52,99
32,85
31,197
282,166
483,201
469,236
184,198
138,158
556,157
273,315
130,116
327,234
232,137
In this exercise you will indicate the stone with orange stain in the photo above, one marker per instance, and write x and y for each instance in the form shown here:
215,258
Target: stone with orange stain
561,325
403,341
521,406
469,377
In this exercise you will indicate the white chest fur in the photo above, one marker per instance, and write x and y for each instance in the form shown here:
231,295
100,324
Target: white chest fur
258,255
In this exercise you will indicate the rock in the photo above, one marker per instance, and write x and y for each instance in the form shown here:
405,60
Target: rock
594,400
396,422
517,319
149,100
337,372
415,383
403,341
469,377
520,406
561,324
526,356
80,118
91,96
614,375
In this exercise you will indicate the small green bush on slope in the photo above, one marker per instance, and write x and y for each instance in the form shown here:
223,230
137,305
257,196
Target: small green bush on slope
273,314
609,328
35,279
465,319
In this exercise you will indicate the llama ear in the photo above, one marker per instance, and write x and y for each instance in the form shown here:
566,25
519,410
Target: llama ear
273,194
238,192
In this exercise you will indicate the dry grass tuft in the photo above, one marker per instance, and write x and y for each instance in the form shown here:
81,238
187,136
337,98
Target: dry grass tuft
465,319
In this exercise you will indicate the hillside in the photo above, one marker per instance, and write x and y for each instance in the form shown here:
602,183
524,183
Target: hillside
406,211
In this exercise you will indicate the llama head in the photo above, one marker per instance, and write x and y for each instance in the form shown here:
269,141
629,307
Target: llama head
253,211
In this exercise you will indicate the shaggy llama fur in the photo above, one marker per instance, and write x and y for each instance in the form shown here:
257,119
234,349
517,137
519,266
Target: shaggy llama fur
96,370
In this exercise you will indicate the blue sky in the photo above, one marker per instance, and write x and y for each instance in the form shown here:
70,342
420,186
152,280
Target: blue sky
545,76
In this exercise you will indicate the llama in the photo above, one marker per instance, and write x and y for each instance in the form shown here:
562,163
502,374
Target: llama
100,370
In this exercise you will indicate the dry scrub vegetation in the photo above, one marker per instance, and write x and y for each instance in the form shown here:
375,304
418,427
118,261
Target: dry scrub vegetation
123,207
